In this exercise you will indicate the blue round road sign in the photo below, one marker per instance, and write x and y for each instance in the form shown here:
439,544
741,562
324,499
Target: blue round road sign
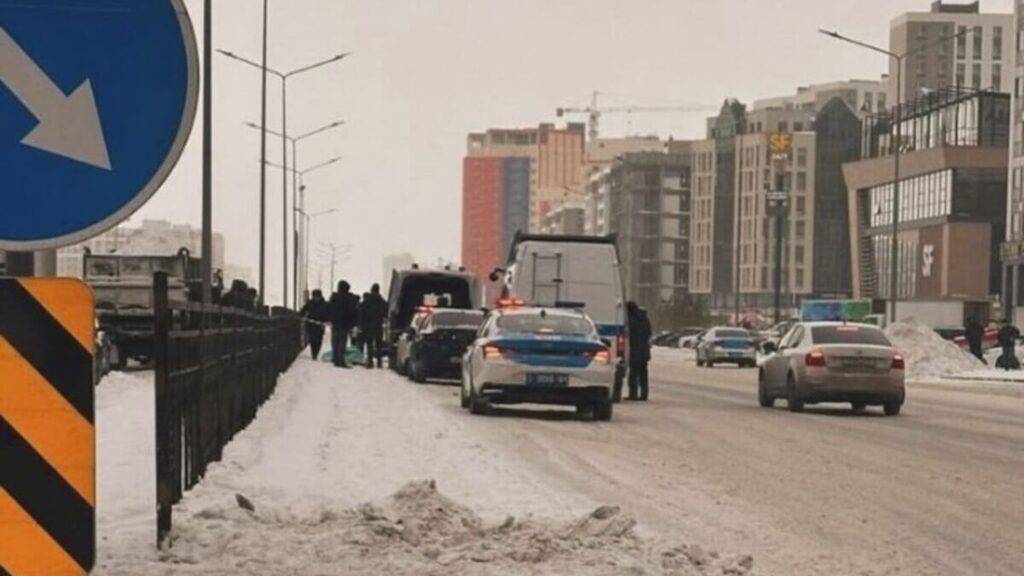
97,100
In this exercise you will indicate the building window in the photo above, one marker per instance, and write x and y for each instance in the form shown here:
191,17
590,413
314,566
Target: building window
799,278
798,255
977,35
961,74
801,181
801,157
881,101
801,229
783,126
961,43
976,75
801,205
997,43
997,76
798,126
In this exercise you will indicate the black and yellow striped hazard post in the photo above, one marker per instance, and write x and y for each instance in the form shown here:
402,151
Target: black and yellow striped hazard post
47,437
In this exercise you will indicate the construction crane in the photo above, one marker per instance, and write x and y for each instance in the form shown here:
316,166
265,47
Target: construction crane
594,112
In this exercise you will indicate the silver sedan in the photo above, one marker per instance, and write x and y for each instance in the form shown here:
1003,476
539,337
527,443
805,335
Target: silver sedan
833,362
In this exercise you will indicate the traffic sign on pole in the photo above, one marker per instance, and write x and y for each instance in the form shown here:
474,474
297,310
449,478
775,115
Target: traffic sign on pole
97,100
47,435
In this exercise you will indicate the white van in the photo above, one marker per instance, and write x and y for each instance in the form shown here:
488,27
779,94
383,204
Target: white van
572,272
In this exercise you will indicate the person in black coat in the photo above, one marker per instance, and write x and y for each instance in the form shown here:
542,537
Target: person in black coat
974,332
1008,336
372,313
639,351
317,314
344,313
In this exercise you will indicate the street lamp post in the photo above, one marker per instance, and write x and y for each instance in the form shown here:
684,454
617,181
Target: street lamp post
284,76
897,149
296,190
307,227
301,175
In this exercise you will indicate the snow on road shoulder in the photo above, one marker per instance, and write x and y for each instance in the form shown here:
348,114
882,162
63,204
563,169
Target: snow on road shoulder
928,355
126,466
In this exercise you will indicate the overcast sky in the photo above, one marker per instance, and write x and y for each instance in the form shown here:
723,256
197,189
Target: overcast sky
425,73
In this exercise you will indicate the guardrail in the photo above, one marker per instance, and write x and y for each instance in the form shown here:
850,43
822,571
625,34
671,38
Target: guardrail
214,368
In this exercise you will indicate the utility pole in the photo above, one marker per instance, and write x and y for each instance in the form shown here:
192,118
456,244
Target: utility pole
778,206
207,249
263,164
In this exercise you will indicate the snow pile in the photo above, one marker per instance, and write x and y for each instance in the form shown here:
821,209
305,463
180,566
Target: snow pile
420,531
929,355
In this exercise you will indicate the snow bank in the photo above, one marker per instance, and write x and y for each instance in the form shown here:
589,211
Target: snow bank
929,355
418,531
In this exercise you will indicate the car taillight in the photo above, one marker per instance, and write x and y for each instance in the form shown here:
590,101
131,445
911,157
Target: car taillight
898,362
602,356
492,353
620,342
511,303
815,358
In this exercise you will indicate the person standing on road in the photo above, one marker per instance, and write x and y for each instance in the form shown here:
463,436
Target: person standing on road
344,312
974,332
1008,336
639,351
317,314
371,324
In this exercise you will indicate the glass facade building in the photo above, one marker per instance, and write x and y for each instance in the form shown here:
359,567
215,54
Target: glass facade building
947,117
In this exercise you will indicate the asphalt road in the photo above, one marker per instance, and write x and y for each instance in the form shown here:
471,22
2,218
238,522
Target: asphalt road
938,490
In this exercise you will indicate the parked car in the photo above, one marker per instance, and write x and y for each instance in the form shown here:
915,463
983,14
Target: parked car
436,347
725,345
539,356
833,362
689,342
403,345
415,288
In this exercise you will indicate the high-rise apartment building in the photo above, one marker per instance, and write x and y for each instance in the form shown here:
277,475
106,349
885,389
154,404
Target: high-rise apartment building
862,96
495,205
643,198
1013,248
982,58
733,260
556,162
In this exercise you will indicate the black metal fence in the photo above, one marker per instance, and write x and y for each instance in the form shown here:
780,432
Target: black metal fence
215,367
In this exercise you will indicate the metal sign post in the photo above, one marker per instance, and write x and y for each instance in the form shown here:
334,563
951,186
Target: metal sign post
780,145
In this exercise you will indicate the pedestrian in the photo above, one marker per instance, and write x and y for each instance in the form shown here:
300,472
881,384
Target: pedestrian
316,314
236,296
1008,336
372,313
344,313
639,351
252,300
360,338
974,332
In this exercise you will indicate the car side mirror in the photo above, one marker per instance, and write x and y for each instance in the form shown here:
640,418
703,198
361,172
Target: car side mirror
770,348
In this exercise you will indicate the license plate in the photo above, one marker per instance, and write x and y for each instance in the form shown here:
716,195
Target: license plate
553,380
859,363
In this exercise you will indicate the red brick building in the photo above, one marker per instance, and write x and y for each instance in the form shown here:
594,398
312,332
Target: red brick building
482,214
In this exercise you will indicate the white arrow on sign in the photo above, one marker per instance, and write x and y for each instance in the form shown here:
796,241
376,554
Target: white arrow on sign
68,126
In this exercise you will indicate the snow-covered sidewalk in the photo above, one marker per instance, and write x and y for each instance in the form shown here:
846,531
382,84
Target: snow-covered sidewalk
329,442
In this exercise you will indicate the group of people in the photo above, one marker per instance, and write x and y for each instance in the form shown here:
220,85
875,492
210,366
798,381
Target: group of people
347,314
1007,338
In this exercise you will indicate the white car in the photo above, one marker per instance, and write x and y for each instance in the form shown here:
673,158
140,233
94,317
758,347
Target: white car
539,356
833,362
726,345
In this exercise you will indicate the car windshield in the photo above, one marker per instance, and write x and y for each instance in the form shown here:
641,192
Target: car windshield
849,335
547,324
732,333
457,320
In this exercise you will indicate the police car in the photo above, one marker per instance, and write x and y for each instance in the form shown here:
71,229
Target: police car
538,356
